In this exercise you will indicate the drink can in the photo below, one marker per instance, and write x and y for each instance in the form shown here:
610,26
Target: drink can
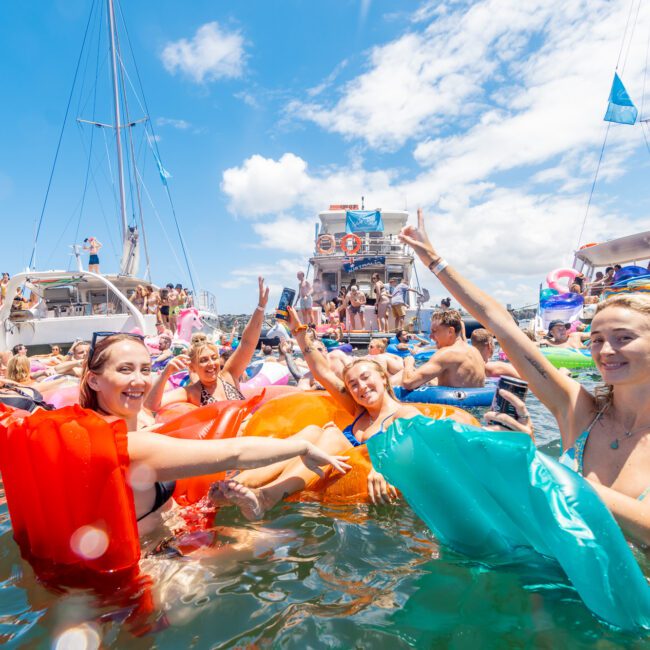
286,300
517,386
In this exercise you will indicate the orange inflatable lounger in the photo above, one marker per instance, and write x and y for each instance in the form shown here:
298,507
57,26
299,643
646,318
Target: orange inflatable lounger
212,422
71,507
284,416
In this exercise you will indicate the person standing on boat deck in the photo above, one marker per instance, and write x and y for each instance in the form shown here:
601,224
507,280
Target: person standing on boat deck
3,288
174,306
305,298
138,298
382,302
455,363
606,435
92,245
357,300
398,293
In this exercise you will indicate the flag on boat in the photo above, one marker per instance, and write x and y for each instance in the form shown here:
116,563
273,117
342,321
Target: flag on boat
164,174
363,221
621,108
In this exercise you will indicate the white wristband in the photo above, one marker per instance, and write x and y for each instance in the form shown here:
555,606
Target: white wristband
439,267
258,308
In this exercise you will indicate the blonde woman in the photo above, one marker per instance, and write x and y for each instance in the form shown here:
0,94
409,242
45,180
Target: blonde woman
606,435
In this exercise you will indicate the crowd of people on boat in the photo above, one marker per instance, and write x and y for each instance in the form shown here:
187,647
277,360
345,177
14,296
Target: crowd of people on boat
164,303
347,308
604,435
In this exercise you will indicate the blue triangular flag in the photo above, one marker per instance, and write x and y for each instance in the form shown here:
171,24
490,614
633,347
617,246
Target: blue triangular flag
621,108
363,221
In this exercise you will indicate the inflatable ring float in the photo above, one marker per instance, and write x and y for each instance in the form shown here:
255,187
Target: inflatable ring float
351,238
329,248
287,415
492,496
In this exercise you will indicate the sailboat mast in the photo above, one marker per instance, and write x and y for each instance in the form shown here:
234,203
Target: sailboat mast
118,126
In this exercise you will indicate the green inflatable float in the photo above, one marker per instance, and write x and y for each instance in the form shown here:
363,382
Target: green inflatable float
568,357
493,496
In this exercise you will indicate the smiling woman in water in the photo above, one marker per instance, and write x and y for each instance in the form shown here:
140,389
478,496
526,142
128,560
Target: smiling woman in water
606,436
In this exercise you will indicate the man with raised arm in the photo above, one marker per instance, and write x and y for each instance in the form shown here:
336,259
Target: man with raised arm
454,364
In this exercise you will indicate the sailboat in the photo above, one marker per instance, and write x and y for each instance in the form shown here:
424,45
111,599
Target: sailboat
69,305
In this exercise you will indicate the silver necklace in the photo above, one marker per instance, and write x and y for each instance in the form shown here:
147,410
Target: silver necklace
628,434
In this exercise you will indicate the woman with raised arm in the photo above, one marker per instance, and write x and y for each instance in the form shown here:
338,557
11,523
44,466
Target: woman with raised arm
213,383
364,392
606,436
115,383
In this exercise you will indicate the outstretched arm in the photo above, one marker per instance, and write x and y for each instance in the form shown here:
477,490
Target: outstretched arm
557,392
413,377
173,458
319,366
243,355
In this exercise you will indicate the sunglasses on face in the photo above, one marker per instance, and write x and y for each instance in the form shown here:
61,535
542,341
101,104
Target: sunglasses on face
101,335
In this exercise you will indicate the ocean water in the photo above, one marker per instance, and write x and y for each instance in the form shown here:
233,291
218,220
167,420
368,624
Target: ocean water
312,576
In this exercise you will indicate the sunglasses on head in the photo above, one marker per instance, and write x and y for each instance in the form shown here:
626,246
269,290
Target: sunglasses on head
102,335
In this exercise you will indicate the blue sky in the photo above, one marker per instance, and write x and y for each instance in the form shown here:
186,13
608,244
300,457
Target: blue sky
487,114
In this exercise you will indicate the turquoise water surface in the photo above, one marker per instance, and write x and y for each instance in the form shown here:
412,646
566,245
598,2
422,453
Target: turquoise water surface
312,576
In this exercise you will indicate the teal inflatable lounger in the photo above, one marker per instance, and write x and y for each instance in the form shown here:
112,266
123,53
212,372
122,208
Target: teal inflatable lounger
492,495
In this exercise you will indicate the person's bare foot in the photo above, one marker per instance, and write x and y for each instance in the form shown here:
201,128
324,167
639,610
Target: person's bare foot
249,500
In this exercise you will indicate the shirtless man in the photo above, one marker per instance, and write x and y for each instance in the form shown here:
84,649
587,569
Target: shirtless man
455,363
390,362
483,341
357,302
558,336
306,299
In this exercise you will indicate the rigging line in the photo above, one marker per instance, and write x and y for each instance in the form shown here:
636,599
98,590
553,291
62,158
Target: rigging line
593,185
645,76
627,24
629,43
644,126
90,151
86,63
162,227
169,196
58,146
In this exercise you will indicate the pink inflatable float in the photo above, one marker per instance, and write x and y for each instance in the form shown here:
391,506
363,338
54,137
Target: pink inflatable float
554,277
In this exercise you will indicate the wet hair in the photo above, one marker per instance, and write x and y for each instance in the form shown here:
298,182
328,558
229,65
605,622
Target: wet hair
18,368
267,350
608,269
382,343
446,302
376,366
450,318
398,333
639,303
95,363
17,348
480,337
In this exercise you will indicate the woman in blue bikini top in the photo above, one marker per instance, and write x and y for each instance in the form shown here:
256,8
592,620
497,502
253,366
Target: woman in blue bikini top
606,435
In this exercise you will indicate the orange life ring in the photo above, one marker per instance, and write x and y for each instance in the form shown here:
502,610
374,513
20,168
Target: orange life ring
329,249
357,244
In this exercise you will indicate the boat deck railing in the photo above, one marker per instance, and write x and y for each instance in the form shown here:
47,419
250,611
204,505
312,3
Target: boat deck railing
206,300
372,244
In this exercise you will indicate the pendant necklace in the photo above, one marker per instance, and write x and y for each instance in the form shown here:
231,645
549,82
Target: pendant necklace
628,434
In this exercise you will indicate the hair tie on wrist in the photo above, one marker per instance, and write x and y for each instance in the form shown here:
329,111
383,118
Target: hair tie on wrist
439,267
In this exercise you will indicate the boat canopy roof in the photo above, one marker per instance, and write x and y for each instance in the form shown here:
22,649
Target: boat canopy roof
617,251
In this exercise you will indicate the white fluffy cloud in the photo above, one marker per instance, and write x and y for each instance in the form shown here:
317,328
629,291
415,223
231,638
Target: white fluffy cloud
213,53
484,90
